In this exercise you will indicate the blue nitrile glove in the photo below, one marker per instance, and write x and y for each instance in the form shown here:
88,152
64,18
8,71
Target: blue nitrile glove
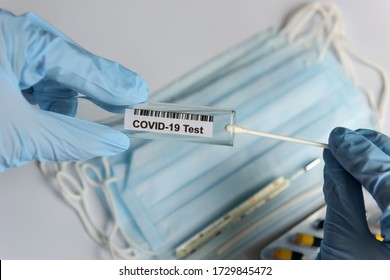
40,64
355,159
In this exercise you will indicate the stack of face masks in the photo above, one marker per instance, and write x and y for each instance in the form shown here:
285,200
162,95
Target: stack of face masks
160,193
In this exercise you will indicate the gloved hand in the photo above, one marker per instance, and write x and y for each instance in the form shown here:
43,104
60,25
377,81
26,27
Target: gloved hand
50,69
355,159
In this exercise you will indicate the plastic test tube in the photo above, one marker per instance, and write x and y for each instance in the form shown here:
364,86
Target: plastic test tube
208,125
177,122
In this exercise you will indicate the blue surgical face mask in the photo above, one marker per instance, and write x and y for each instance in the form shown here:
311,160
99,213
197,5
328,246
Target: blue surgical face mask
162,193
189,189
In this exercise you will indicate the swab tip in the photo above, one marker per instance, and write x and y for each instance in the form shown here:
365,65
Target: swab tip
229,128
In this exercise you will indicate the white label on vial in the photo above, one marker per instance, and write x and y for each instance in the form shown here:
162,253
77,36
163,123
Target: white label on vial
169,122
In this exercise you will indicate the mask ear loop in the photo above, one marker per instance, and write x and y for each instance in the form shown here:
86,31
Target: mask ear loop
115,250
383,97
333,27
72,191
301,18
335,32
330,28
74,194
345,51
298,20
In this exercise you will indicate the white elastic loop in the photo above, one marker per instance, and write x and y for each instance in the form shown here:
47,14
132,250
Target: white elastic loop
304,15
333,33
326,25
45,169
86,169
110,201
66,190
75,201
346,62
125,253
74,193
333,28
383,75
298,21
107,168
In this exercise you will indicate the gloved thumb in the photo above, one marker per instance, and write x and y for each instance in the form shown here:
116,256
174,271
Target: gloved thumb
345,223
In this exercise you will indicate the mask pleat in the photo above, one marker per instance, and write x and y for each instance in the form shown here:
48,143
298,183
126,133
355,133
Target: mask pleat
176,189
162,192
214,67
256,94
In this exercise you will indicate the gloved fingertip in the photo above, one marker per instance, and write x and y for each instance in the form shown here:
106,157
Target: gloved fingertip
342,140
141,89
331,162
327,155
130,90
376,137
337,135
117,142
364,131
338,131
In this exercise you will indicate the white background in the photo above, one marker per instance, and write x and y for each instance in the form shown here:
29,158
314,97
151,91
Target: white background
160,40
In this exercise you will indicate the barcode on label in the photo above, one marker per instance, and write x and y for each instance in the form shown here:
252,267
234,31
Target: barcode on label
173,115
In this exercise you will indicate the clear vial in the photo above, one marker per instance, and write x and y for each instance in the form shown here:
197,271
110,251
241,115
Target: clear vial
164,121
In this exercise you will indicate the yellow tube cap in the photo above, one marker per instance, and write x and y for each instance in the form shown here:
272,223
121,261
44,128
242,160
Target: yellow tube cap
304,239
285,254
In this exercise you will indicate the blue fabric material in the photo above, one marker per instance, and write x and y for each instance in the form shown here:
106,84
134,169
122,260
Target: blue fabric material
172,190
